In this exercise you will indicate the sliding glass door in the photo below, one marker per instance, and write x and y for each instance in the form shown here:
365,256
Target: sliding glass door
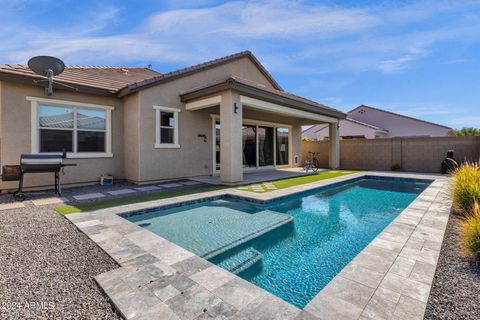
262,145
281,138
249,145
265,146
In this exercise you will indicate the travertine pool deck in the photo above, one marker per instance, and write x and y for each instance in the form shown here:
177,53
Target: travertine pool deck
389,279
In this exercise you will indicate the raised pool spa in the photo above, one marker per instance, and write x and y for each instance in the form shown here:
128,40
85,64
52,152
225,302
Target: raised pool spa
291,246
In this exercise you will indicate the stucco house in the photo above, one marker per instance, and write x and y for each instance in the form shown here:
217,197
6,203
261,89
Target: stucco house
224,117
365,122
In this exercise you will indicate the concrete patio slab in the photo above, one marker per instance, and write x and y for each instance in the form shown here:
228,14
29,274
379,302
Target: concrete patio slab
148,188
191,183
89,196
170,185
11,205
47,201
121,192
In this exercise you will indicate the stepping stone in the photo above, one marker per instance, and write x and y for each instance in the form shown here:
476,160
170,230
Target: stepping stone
45,201
88,196
12,205
271,187
148,188
120,192
170,185
191,183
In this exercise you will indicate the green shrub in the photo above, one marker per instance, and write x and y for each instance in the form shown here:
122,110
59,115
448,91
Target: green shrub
466,187
471,232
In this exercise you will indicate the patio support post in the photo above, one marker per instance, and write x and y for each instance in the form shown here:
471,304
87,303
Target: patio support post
334,152
231,153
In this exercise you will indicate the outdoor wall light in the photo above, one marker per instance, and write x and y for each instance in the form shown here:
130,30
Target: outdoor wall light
236,107
202,135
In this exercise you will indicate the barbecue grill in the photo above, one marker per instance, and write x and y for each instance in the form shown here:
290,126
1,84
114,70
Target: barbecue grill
36,163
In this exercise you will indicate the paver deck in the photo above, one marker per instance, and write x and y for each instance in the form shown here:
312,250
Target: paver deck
389,279
88,193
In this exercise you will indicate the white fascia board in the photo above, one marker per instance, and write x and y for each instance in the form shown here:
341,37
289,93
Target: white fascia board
203,103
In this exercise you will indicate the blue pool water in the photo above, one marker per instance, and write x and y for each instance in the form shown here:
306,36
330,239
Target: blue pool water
291,247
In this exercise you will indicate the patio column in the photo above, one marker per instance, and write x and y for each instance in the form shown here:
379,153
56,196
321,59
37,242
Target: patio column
231,153
334,140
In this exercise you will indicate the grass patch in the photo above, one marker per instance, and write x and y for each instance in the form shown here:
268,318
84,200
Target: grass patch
466,188
295,181
103,204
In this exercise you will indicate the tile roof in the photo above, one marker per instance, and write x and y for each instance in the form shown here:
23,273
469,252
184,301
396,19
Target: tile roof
65,121
366,124
108,78
200,67
126,80
398,115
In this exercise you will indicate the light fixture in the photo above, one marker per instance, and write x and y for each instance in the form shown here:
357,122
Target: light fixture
236,107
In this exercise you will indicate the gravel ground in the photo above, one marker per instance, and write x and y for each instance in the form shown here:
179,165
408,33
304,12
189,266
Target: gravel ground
456,287
47,268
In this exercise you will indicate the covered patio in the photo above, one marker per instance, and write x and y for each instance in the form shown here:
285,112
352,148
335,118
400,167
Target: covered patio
255,128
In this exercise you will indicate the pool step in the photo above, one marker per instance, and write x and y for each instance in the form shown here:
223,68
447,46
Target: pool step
241,260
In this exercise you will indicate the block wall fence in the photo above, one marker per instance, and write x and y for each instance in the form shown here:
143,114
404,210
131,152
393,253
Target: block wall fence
411,154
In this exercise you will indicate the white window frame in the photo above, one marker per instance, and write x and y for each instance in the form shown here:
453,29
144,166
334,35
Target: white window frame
35,126
158,144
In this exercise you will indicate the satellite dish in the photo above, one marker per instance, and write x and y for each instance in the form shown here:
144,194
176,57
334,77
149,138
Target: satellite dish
48,67
43,65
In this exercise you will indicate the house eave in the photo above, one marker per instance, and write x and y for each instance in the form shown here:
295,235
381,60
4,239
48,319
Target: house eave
29,80
254,92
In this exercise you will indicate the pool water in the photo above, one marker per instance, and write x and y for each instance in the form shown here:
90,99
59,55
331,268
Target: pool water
291,247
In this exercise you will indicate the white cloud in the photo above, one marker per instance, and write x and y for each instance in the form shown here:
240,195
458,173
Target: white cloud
282,19
290,37
398,64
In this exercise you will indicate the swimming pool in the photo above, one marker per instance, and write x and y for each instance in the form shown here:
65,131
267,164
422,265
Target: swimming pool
293,246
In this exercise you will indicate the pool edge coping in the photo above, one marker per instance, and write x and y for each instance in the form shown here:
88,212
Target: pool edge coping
109,230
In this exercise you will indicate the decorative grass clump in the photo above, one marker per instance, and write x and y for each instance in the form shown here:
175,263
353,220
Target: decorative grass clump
466,188
471,232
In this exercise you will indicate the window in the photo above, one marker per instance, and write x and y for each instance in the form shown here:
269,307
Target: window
166,127
82,130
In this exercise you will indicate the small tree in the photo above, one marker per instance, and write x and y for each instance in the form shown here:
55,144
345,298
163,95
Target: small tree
468,132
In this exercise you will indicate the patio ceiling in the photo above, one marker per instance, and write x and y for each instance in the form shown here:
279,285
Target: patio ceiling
260,97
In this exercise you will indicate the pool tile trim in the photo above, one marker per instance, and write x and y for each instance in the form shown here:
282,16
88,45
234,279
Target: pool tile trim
392,273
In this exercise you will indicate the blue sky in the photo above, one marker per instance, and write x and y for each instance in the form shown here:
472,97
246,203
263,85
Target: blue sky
418,58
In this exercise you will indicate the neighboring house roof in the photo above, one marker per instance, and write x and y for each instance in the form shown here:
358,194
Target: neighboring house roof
398,115
108,78
255,89
320,127
65,121
371,126
197,68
